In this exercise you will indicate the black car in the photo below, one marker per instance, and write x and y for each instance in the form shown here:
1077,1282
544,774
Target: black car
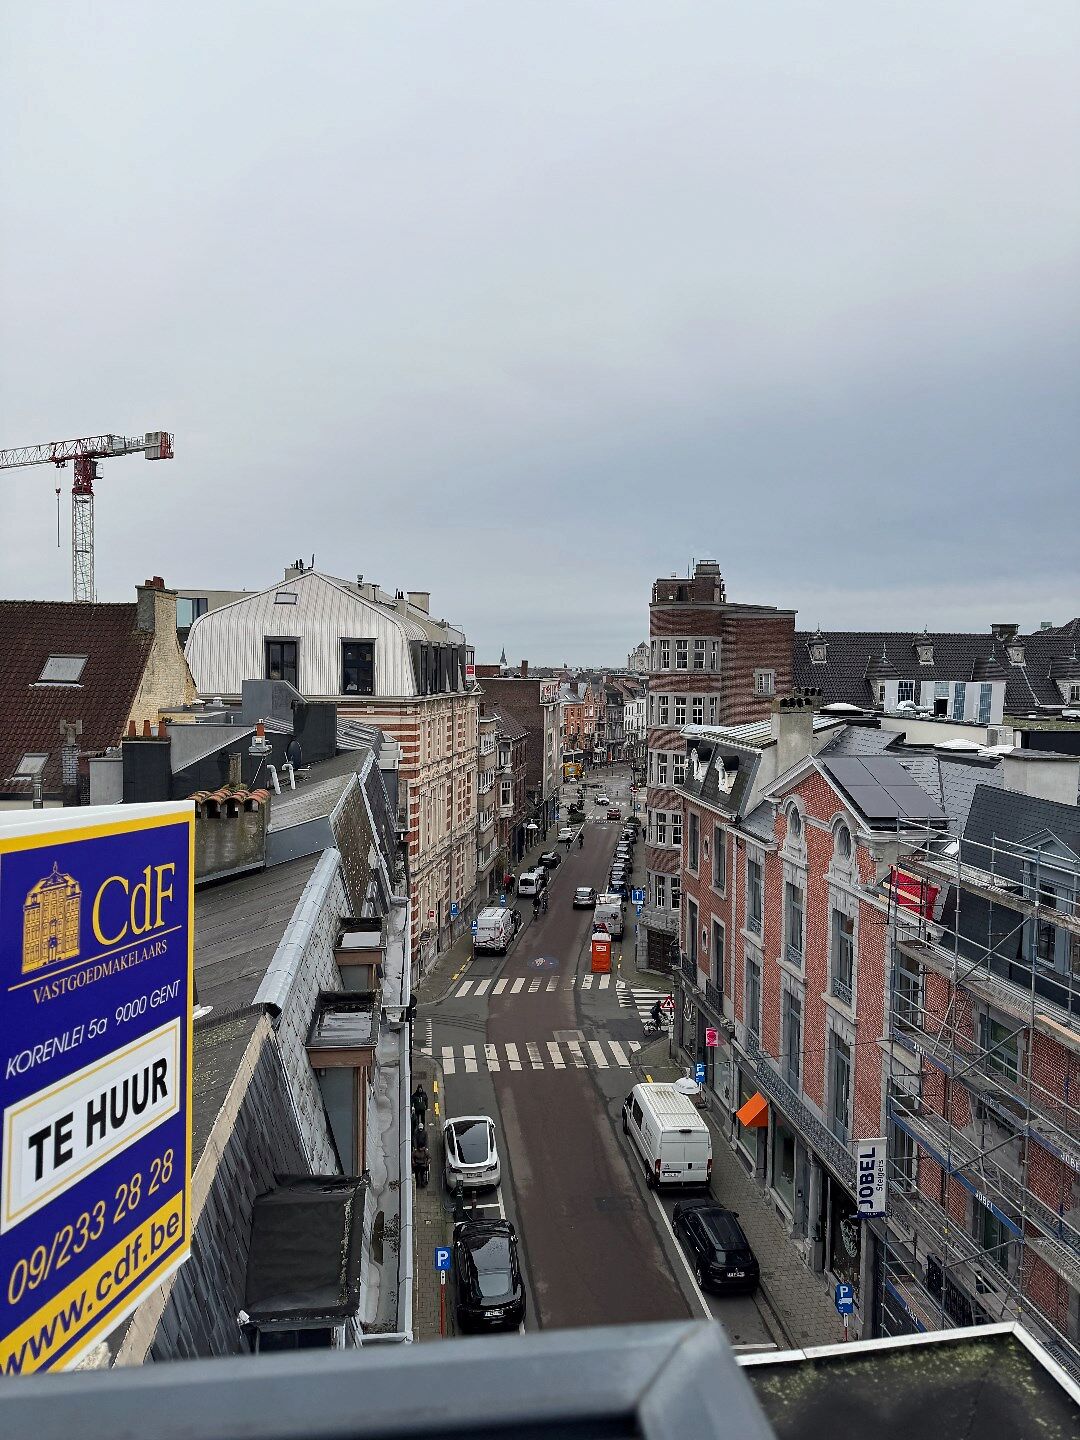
489,1293
551,860
716,1246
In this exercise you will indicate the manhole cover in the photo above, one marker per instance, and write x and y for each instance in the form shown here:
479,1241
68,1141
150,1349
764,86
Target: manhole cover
564,1035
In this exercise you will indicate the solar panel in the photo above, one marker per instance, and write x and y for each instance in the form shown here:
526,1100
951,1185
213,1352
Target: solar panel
882,789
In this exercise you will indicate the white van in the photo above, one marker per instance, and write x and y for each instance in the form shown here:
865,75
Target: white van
531,882
669,1135
494,931
608,913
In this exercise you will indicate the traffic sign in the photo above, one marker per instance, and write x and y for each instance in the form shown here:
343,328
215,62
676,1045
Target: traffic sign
637,911
845,1298
454,910
475,926
712,1038
502,900
637,895
699,1072
442,1257
667,1004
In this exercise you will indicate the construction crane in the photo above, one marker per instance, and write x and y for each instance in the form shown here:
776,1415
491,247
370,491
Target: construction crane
155,445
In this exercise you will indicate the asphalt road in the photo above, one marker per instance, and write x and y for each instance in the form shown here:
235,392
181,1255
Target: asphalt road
595,1241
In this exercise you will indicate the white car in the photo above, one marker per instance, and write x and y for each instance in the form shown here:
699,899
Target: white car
472,1156
602,800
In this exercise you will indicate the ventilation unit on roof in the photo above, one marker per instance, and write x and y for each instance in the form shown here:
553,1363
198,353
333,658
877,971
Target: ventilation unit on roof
999,735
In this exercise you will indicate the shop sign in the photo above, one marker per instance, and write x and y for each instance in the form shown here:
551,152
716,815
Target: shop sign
870,1177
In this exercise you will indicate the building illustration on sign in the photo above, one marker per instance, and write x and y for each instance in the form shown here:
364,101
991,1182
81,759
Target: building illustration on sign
51,921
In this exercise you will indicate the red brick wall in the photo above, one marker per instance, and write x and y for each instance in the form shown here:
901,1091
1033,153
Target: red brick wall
750,643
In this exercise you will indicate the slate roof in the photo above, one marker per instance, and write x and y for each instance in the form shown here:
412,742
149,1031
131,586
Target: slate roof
1006,815
855,658
507,727
117,652
744,759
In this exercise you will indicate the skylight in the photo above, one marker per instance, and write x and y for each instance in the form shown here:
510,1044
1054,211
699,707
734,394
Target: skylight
286,597
62,670
30,765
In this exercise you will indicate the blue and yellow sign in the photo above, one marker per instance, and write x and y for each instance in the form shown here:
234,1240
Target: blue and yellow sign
96,961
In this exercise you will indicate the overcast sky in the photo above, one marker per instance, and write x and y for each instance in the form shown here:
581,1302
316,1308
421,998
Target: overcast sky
526,302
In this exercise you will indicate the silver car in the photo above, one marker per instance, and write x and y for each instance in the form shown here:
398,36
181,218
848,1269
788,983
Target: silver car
472,1156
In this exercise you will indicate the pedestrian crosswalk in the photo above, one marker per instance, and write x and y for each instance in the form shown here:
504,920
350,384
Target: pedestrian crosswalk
541,985
535,1055
641,998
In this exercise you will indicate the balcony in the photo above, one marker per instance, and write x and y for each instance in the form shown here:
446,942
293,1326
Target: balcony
485,782
841,989
486,820
753,924
794,956
666,921
790,1101
487,744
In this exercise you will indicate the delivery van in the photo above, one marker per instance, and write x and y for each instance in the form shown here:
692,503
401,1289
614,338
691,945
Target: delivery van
671,1138
608,913
532,882
494,931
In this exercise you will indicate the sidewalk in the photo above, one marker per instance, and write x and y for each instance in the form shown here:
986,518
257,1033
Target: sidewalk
798,1298
431,1223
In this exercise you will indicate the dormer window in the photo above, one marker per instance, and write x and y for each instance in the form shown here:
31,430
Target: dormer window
925,652
1015,652
818,652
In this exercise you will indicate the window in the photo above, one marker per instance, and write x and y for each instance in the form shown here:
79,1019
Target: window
678,769
62,670
793,924
881,693
843,843
281,660
662,769
764,682
907,992
843,966
660,828
958,695
693,840
681,655
753,997
719,859
665,654
754,896
905,690
676,827
358,667
713,709
652,655
904,1159
31,764
783,1162
286,597
660,891
676,894
714,654
792,1039
986,692
718,947
188,610
941,697
1002,1049
691,931
506,793
1074,694
663,704
839,1087
697,710
993,1235
680,709
699,654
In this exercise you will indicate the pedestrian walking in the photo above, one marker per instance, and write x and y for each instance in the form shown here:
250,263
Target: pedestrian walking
419,1105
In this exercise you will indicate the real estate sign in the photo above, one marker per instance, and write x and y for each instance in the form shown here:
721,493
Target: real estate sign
96,959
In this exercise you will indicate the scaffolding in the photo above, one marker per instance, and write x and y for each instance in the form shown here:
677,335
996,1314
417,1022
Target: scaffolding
983,1092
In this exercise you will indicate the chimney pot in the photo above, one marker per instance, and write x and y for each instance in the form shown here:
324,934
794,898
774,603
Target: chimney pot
146,727
524,669
260,729
131,729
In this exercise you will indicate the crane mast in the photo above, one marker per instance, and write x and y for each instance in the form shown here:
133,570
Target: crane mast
85,455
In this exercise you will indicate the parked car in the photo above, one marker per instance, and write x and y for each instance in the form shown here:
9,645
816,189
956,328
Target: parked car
624,852
716,1246
471,1153
584,897
489,1293
629,835
668,1134
614,813
608,915
551,859
532,882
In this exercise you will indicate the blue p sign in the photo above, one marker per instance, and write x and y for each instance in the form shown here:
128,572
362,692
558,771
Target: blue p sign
845,1298
453,909
699,1072
475,926
442,1257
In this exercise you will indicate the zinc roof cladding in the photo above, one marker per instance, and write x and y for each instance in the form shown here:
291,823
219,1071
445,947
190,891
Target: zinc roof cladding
852,656
117,653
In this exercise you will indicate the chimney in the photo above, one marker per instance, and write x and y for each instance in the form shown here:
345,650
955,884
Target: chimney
421,600
792,722
1043,775
156,608
524,669
236,778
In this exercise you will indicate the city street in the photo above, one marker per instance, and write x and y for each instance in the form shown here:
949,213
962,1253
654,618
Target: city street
550,1050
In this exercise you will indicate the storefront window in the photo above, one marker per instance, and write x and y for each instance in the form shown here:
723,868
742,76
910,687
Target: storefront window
783,1162
844,1236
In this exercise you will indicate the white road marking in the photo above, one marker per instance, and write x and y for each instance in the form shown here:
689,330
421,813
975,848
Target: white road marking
516,986
491,1055
556,1055
483,985
635,1045
586,982
448,1060
574,1046
469,1053
463,989
682,1256
500,986
534,1054
599,1058
617,1050
605,981
534,985
512,1056
553,984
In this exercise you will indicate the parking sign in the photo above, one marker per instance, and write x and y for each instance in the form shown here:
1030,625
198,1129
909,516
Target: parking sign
442,1257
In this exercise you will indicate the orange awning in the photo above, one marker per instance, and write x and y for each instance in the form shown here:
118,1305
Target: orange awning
755,1113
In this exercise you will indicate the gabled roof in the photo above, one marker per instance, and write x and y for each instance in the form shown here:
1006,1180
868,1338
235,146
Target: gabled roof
116,653
507,727
856,659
